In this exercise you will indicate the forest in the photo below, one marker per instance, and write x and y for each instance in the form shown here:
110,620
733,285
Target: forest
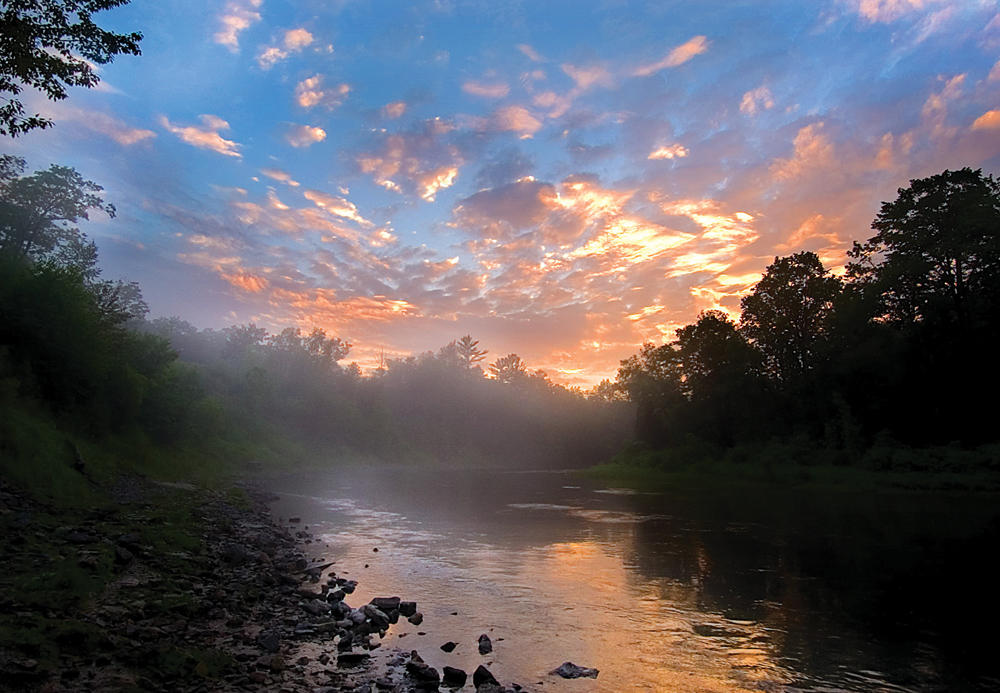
885,366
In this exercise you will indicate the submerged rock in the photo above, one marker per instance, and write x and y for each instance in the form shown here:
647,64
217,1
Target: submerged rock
485,645
454,678
568,670
482,676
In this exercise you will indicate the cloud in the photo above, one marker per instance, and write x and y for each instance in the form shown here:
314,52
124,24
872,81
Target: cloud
294,41
205,137
668,151
394,110
531,53
237,17
586,77
679,55
297,39
336,205
490,91
515,119
886,11
419,160
987,121
756,100
310,92
301,136
812,150
104,124
279,175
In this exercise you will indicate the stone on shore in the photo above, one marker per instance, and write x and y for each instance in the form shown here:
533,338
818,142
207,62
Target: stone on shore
568,670
485,645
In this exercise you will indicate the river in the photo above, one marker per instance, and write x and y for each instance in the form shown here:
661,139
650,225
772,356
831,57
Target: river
723,590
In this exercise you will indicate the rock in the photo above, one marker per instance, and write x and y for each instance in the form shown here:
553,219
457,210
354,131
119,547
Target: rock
407,608
384,683
449,646
122,555
349,586
269,641
481,676
454,678
317,607
336,596
376,616
485,646
568,670
385,604
424,675
294,520
350,659
234,554
416,619
79,538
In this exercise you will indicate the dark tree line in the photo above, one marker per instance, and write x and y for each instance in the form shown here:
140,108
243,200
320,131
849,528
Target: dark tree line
901,347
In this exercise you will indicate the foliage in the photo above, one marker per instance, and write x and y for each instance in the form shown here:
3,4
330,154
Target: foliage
49,45
936,256
37,214
787,312
823,369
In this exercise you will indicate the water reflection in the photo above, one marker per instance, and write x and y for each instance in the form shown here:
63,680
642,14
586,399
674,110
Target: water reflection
716,592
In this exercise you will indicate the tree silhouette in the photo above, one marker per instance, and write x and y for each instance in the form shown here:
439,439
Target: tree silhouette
509,369
468,352
786,314
50,45
37,214
936,256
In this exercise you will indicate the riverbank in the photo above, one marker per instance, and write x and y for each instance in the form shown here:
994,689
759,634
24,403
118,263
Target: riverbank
170,587
890,468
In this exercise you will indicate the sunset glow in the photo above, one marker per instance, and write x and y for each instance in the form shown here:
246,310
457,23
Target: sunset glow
560,181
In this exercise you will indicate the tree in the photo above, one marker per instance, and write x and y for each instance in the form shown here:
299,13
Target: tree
37,214
712,353
50,45
468,352
509,369
936,256
786,314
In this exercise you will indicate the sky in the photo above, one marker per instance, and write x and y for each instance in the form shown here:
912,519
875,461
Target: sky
561,180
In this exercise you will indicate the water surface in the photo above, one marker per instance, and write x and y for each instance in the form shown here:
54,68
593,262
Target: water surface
680,591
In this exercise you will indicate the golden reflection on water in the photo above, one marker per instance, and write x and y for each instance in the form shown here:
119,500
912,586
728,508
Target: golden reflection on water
573,601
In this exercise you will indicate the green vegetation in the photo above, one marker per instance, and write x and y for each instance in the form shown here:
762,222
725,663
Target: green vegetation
879,377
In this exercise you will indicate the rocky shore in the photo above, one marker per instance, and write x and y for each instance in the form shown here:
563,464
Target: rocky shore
172,588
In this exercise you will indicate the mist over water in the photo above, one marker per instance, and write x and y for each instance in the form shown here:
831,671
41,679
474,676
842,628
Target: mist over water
695,590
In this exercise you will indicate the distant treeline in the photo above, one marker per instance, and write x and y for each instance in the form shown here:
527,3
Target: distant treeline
78,348
897,354
436,407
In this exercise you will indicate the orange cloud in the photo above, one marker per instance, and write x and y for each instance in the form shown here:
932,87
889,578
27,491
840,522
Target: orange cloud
248,282
205,137
310,92
301,136
491,91
237,18
394,110
279,175
530,53
294,41
679,55
418,160
756,100
668,151
336,205
987,121
812,150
